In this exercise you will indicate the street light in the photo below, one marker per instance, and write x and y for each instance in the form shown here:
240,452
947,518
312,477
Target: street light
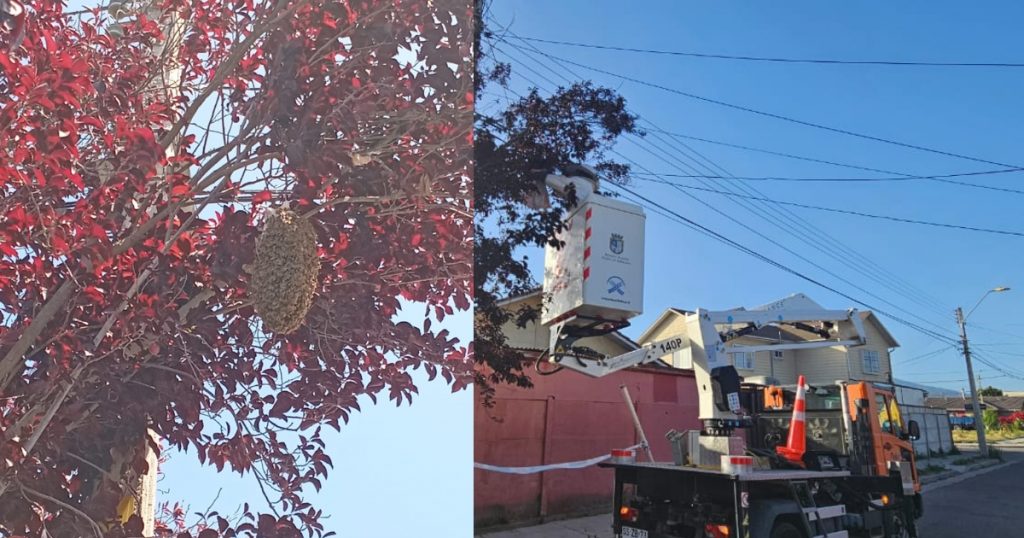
961,319
987,293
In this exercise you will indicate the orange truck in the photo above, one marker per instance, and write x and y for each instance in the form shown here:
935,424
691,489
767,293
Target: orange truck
847,472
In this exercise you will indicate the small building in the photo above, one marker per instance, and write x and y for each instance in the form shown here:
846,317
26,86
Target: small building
823,365
960,406
569,417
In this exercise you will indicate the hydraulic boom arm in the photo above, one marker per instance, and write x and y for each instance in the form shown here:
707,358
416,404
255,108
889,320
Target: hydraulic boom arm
717,380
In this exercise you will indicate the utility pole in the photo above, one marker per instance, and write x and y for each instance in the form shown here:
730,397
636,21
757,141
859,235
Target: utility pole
979,425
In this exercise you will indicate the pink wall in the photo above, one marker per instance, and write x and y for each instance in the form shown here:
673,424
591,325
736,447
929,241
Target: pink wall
569,417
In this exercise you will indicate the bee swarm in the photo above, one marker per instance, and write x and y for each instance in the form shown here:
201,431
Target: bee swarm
285,271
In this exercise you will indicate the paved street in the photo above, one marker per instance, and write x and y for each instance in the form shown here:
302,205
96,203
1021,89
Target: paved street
985,504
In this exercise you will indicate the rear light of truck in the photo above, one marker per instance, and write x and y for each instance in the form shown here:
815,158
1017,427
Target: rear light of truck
712,530
629,514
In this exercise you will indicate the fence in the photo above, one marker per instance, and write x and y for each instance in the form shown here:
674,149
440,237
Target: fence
569,417
936,435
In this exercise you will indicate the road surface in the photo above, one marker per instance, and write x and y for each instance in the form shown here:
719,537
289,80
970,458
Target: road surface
985,504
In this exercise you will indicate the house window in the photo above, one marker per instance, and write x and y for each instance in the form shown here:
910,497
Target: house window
871,363
743,361
776,354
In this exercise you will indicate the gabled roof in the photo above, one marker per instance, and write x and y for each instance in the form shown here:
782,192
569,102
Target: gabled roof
867,315
665,316
784,332
959,403
512,299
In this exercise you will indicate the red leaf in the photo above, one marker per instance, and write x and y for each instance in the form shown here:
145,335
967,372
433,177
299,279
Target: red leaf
261,197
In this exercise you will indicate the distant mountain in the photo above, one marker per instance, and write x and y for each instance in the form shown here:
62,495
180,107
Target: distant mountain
932,391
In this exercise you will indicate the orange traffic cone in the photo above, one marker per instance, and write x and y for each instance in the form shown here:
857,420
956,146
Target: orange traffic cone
796,445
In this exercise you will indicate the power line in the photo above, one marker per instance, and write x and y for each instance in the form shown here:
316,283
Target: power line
789,229
772,114
902,63
925,355
975,185
694,225
787,249
939,178
843,211
853,179
785,268
784,228
904,289
991,364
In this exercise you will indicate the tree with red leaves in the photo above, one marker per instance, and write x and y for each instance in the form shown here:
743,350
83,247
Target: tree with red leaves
144,148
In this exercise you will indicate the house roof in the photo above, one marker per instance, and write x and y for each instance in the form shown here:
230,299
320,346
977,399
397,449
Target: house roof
668,314
959,403
786,333
512,299
867,315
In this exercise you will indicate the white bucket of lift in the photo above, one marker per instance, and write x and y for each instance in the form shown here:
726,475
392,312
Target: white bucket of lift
599,272
737,464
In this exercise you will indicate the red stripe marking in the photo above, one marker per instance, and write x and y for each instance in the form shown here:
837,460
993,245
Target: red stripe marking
586,273
590,211
586,253
586,234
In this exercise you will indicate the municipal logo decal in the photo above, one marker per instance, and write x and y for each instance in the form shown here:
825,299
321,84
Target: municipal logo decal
616,285
616,244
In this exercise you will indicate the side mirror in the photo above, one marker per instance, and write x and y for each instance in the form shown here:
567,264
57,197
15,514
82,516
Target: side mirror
913,430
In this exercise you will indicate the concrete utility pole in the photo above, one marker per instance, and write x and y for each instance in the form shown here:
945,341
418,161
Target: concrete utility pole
961,319
979,425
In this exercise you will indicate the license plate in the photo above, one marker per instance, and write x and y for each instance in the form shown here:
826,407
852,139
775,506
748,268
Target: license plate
630,532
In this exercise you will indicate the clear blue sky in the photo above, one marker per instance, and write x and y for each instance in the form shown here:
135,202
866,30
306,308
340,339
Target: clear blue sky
971,111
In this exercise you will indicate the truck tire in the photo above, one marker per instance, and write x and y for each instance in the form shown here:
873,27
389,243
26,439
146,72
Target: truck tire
786,529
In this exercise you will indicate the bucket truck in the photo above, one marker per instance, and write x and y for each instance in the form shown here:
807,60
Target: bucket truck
752,470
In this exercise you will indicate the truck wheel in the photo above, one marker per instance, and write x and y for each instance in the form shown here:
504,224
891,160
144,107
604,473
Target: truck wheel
898,528
785,529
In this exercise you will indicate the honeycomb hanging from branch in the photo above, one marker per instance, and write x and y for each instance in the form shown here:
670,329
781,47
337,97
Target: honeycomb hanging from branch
285,272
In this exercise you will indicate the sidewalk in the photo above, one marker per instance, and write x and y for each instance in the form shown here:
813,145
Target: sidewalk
953,465
583,527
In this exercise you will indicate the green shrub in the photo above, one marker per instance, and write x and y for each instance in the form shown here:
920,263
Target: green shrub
990,418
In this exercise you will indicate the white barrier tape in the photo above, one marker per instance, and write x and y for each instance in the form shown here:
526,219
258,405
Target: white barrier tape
550,467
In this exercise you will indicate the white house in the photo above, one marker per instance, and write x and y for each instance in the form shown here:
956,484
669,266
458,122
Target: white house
823,365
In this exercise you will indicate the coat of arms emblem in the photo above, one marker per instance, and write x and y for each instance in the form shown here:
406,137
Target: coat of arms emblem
616,244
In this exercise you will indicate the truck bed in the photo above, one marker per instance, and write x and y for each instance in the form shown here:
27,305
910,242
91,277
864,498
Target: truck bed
753,476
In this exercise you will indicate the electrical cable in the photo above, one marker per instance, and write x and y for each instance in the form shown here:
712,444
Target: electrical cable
898,63
848,179
900,289
553,83
917,358
787,269
843,211
774,115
